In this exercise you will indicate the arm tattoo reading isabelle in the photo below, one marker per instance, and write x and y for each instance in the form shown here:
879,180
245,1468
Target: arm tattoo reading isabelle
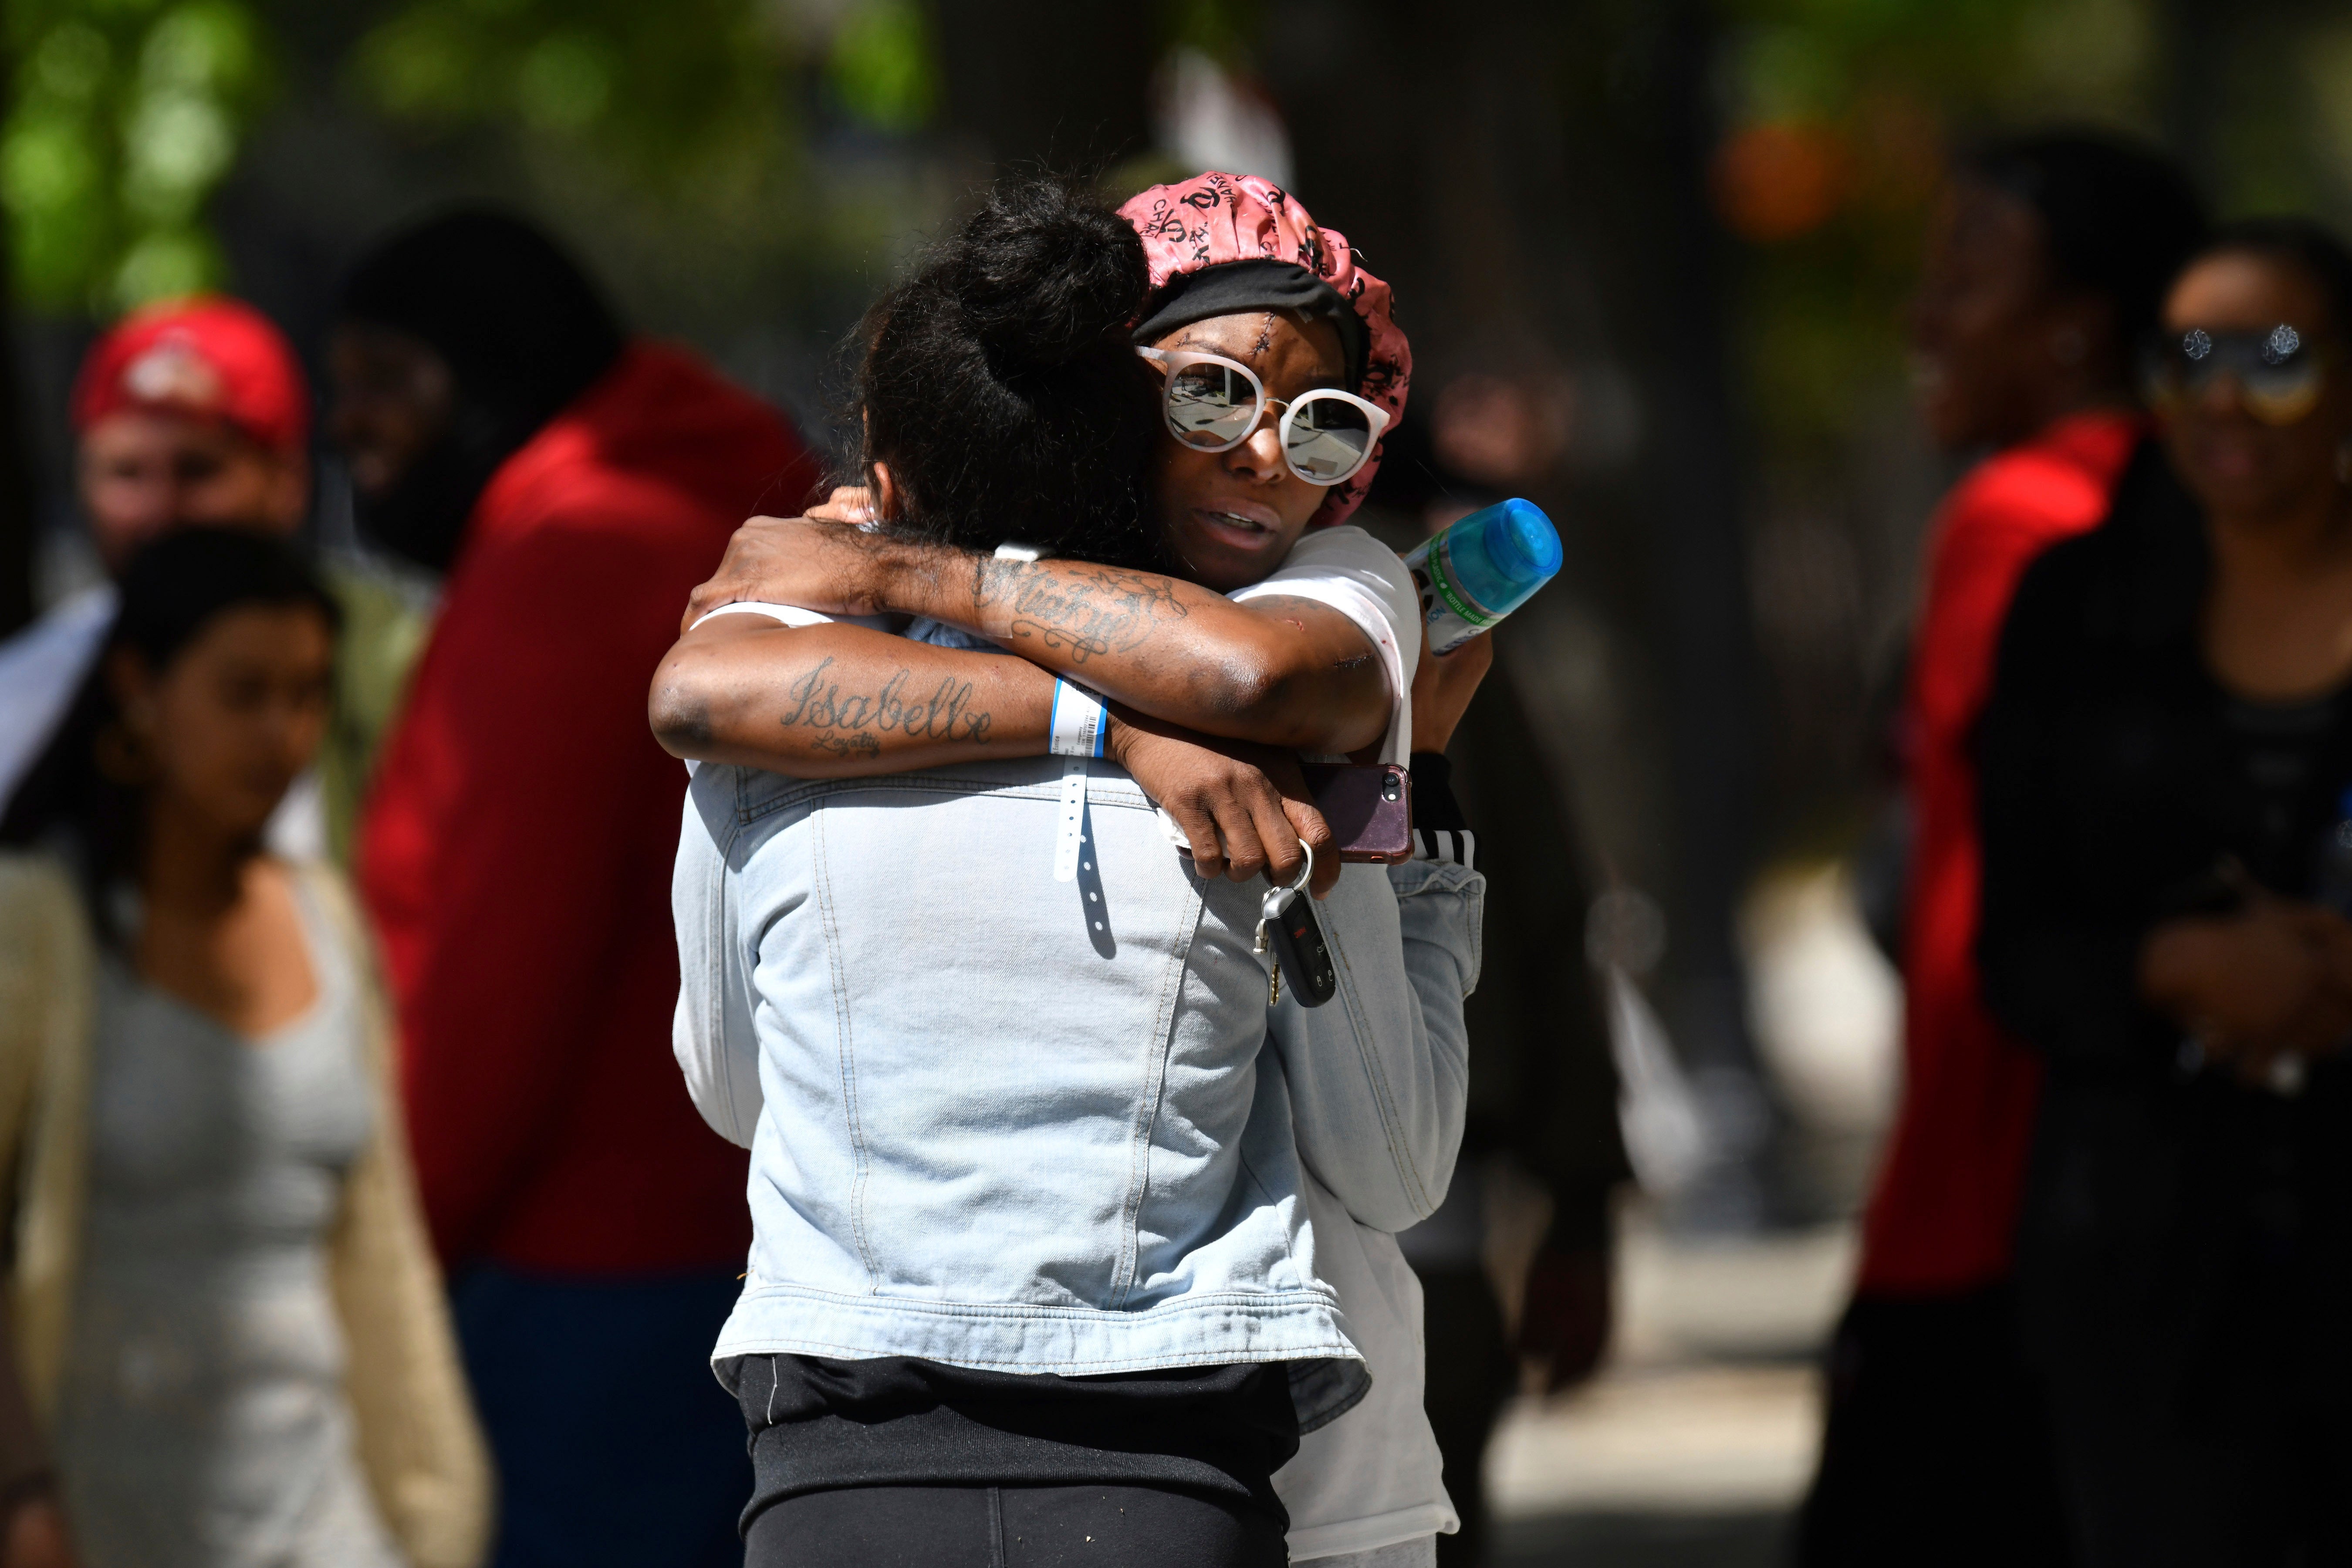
1088,609
846,726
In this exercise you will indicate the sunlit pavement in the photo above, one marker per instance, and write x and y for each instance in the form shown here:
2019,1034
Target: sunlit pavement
1694,1444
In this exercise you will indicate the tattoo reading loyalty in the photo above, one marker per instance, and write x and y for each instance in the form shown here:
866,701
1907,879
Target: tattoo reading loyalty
946,715
1088,609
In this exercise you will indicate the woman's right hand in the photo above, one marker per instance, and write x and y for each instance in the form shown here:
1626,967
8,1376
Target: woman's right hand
2273,979
1443,684
1245,808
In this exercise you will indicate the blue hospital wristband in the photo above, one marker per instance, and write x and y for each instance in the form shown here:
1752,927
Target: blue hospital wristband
1079,721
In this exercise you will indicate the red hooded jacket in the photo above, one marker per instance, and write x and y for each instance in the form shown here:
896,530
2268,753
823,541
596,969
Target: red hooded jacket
1945,1204
517,838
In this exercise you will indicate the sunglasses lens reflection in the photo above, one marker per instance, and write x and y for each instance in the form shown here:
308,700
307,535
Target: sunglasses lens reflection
1210,405
1330,438
2277,375
2282,395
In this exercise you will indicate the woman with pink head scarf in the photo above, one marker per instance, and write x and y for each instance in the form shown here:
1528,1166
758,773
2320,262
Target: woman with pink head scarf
1275,366
1238,245
1279,366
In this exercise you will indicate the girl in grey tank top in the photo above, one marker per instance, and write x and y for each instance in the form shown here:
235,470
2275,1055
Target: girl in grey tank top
203,1421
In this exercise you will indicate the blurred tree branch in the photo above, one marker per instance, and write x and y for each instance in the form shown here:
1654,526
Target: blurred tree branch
18,519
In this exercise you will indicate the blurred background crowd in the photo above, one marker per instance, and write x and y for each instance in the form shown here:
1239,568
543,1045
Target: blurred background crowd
1696,277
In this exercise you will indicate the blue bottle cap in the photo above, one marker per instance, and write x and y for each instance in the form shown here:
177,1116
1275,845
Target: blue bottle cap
1521,541
1502,554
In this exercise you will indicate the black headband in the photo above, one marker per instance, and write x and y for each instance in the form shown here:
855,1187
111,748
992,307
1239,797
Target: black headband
1238,288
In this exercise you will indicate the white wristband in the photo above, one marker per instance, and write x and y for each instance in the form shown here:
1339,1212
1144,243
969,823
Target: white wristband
1079,721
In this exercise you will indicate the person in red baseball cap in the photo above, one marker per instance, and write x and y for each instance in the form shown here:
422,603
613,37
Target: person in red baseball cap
191,411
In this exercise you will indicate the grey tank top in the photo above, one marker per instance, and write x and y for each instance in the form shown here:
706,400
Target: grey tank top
203,1422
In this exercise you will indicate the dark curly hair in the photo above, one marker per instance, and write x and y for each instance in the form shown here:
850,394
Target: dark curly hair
999,386
2119,218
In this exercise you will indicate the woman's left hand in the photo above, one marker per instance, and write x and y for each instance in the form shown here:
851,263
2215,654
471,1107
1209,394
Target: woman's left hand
1443,684
833,568
848,503
1244,809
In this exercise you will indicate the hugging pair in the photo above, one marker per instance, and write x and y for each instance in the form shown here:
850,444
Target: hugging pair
1063,1232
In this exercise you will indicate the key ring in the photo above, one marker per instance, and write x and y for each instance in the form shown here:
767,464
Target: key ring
1306,872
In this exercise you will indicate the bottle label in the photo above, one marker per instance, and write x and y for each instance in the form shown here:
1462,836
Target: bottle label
1456,600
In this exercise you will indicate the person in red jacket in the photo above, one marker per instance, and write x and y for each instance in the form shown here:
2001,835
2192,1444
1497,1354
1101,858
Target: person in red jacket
2045,269
575,484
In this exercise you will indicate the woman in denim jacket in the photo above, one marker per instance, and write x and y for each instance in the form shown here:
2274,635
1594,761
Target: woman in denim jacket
1177,1237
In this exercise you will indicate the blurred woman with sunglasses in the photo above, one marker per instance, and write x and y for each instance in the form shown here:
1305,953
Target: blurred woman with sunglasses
2168,827
2046,267
229,1335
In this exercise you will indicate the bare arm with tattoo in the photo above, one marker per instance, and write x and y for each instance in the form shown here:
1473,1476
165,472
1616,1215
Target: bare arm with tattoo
840,701
1278,672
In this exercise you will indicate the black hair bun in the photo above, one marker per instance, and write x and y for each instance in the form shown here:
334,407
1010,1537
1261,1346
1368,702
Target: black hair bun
999,383
1045,274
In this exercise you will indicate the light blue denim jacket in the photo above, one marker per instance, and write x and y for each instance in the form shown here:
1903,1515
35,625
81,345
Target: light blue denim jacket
1003,1121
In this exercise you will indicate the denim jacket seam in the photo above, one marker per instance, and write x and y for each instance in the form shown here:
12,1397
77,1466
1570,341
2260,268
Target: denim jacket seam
1222,1357
1171,988
1416,1187
1312,1296
846,1049
1181,1359
868,1300
1476,927
721,912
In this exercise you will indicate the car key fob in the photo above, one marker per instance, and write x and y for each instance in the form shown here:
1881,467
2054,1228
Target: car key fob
1298,947
1289,933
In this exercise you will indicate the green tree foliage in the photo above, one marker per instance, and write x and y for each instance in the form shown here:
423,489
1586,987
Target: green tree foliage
126,114
1838,118
882,66
687,93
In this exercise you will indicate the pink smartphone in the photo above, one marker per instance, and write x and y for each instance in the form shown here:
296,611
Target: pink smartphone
1369,806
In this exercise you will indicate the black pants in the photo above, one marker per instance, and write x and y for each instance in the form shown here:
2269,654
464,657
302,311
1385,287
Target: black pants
2272,1491
1937,1448
1012,1527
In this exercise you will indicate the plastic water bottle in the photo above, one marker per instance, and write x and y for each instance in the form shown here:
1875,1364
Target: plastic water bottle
1482,568
2333,881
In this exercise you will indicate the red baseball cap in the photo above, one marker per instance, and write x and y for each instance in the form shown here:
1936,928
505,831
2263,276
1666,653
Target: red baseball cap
214,357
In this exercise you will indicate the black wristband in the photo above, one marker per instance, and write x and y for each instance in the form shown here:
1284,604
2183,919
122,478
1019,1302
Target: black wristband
1440,831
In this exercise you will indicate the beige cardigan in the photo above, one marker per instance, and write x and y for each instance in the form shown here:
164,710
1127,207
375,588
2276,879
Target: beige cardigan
424,1456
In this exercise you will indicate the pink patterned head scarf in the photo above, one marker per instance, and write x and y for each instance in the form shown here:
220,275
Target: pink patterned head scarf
1212,220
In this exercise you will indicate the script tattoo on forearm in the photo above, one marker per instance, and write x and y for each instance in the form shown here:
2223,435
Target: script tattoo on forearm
847,725
1088,609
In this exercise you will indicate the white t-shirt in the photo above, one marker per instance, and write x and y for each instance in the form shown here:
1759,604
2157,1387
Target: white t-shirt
1365,581
1371,1478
